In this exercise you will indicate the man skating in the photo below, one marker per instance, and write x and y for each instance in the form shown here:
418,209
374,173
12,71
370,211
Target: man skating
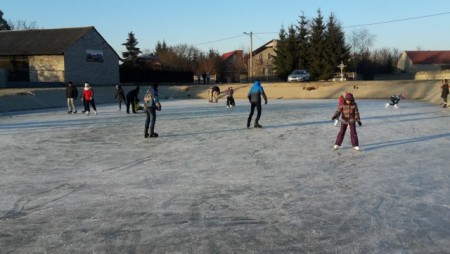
254,96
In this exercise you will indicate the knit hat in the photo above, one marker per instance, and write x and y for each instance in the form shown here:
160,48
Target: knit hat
349,97
86,84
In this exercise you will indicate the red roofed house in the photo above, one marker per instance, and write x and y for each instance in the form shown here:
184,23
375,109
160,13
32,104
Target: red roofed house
234,66
415,61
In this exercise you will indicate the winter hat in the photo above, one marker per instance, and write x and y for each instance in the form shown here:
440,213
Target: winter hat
349,97
86,84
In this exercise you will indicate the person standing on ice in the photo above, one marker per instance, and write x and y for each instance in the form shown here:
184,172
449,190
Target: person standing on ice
151,104
349,115
254,96
71,95
230,98
88,99
120,96
395,99
444,93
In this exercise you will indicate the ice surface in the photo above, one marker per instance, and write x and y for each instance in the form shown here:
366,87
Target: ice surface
93,184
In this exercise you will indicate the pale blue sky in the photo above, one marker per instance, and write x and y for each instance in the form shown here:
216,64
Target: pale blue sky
206,24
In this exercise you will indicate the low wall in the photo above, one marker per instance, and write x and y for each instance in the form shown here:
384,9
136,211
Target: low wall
25,99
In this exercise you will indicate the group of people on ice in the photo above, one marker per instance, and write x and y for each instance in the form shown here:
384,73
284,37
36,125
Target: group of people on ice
347,112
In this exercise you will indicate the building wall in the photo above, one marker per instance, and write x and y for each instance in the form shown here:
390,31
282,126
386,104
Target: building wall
263,62
406,65
46,68
102,70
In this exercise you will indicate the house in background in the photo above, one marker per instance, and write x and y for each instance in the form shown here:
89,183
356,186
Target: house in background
417,61
58,55
234,66
263,61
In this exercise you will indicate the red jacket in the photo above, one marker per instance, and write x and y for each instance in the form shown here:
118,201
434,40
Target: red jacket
88,94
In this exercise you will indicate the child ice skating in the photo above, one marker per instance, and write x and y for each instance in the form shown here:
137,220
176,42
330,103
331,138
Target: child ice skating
444,93
349,115
394,100
230,99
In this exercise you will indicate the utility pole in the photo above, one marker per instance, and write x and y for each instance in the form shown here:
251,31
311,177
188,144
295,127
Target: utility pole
250,71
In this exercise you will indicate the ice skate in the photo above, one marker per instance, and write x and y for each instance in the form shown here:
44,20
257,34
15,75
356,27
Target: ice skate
396,107
69,112
357,148
74,112
87,113
257,125
154,135
386,105
335,147
95,112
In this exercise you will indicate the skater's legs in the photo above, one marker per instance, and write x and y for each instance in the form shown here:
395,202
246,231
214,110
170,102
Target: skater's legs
92,102
258,113
353,135
341,134
252,110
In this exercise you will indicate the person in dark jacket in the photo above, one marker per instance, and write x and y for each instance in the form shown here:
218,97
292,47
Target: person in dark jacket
230,98
132,97
150,108
395,99
120,96
349,115
254,96
71,95
444,93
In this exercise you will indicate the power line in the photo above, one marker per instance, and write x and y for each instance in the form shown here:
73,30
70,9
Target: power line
368,24
229,38
224,39
399,20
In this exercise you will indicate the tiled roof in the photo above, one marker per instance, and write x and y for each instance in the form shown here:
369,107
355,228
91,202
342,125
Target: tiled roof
429,57
40,41
228,55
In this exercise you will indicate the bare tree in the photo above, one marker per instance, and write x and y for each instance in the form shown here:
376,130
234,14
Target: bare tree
361,42
22,25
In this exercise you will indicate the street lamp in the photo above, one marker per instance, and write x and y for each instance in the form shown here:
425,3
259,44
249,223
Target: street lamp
251,56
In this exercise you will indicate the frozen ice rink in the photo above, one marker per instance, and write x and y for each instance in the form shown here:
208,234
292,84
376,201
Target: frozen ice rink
93,184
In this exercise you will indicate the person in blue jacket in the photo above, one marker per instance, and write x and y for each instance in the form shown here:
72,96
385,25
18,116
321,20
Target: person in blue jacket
150,107
254,96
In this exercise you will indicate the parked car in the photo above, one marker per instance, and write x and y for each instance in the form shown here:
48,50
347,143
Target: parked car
298,75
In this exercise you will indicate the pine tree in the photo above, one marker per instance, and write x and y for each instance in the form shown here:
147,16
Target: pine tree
302,43
317,48
285,59
130,56
336,50
3,23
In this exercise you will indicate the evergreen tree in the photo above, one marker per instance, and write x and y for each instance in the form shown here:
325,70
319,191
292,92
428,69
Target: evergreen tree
302,43
161,48
336,50
285,59
3,24
317,48
130,56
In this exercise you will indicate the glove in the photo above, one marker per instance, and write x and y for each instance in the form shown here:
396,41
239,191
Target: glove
333,118
265,103
359,123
